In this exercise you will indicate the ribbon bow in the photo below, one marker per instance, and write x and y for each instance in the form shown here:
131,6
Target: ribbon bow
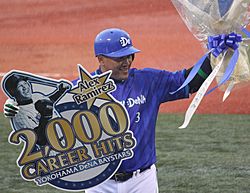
221,43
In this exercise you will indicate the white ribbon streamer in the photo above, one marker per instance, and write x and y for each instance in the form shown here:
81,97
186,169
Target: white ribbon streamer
200,94
228,91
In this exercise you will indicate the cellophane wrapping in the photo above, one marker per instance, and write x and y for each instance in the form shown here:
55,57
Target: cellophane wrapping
206,18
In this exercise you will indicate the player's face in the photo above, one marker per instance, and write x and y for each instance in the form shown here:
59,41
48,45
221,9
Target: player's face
119,66
23,90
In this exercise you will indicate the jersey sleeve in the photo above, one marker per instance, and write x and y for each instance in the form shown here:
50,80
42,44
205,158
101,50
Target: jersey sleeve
164,82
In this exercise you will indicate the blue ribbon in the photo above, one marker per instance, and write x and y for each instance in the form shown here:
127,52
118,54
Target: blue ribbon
217,44
245,31
223,43
229,70
192,73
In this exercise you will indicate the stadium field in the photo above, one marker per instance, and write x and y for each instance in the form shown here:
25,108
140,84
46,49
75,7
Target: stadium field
210,156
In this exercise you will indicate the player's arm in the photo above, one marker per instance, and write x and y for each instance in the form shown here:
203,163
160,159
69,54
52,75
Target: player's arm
200,77
62,87
45,108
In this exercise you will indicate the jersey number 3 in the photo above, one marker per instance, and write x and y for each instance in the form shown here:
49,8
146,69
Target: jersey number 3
138,117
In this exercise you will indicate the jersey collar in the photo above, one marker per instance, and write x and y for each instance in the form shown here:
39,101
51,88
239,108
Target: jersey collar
26,102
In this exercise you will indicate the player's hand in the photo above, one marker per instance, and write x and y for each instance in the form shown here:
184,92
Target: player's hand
63,86
45,108
10,108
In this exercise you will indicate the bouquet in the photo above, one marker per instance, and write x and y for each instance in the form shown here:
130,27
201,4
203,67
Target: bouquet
221,26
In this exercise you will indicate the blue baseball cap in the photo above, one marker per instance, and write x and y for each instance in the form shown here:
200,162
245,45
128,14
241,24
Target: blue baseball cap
115,43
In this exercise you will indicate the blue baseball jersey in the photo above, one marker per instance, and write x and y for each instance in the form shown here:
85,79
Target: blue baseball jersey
141,94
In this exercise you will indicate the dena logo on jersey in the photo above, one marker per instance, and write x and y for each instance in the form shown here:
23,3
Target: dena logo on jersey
130,102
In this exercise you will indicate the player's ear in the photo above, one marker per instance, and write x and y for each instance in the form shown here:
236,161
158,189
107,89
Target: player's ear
100,59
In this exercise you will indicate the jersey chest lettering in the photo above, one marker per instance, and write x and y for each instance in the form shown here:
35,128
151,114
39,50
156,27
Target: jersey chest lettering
131,102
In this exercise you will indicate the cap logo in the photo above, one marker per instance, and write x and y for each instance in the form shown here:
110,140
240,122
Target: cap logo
125,41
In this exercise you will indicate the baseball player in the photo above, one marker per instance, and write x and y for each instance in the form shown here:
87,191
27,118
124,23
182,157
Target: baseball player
34,109
141,92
